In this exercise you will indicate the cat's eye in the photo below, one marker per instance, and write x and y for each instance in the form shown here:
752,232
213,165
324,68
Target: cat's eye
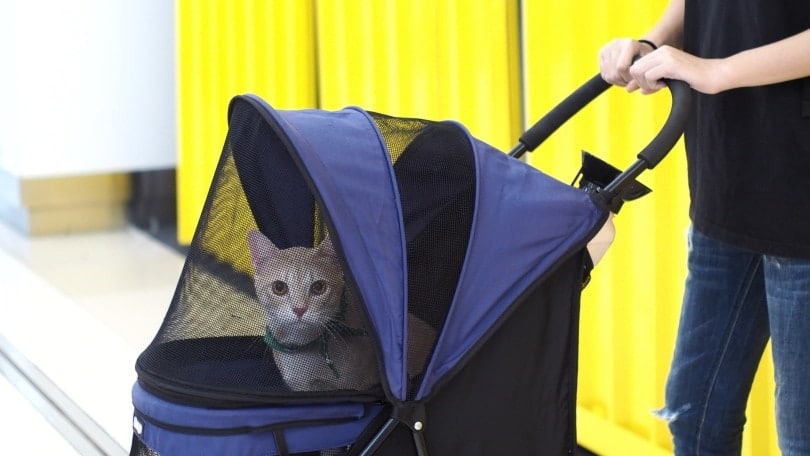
278,288
318,287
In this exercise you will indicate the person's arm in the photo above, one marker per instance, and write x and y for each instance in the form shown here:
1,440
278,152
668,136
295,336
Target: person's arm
668,31
616,56
783,60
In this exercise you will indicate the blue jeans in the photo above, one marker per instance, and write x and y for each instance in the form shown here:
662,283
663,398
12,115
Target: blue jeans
734,301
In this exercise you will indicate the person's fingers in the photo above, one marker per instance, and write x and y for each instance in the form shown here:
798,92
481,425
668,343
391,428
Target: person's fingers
639,72
648,74
614,62
607,67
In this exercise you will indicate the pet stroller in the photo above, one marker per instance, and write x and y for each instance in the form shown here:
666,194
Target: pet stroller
464,264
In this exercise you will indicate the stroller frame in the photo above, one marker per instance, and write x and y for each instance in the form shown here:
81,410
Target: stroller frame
192,370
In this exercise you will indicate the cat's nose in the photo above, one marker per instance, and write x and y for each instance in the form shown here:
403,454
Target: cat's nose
299,311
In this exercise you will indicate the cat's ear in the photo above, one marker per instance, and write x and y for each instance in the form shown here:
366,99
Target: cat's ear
326,247
260,247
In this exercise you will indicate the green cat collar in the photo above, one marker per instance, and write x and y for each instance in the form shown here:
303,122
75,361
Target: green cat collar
322,342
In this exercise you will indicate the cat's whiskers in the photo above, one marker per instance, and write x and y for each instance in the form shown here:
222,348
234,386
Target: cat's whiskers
332,329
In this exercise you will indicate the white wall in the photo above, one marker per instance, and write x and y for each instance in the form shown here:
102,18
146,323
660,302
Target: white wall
86,86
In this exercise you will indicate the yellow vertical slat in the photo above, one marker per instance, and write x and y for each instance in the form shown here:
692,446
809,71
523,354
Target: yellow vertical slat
224,49
450,59
631,307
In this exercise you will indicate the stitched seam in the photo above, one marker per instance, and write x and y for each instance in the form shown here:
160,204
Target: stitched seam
750,277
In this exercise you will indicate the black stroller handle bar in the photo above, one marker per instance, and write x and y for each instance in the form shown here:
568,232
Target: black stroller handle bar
655,151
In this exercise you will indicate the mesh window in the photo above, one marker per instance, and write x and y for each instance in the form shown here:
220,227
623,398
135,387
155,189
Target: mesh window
138,448
261,312
435,173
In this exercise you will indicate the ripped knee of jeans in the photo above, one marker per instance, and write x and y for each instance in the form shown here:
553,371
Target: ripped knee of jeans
670,415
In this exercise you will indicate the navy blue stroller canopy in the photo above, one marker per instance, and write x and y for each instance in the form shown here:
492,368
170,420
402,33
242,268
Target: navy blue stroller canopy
461,269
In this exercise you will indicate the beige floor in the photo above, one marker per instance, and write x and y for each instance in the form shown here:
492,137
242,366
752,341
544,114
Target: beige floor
23,430
80,308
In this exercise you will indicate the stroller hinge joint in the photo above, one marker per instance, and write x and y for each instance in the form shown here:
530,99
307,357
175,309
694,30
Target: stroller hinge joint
411,414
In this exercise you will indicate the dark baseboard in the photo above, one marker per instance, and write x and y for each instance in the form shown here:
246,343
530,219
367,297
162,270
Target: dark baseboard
153,206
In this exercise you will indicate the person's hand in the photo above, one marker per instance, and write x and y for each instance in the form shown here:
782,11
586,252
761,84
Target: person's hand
615,59
703,75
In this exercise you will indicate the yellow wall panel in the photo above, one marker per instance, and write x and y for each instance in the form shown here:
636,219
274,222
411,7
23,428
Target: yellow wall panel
449,59
223,49
630,309
438,60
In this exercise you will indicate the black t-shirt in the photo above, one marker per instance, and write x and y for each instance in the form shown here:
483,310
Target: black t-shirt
748,149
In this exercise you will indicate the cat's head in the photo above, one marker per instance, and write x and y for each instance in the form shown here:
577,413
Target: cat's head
300,288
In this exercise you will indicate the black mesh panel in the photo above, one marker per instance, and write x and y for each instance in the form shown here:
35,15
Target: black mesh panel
436,178
138,448
223,345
